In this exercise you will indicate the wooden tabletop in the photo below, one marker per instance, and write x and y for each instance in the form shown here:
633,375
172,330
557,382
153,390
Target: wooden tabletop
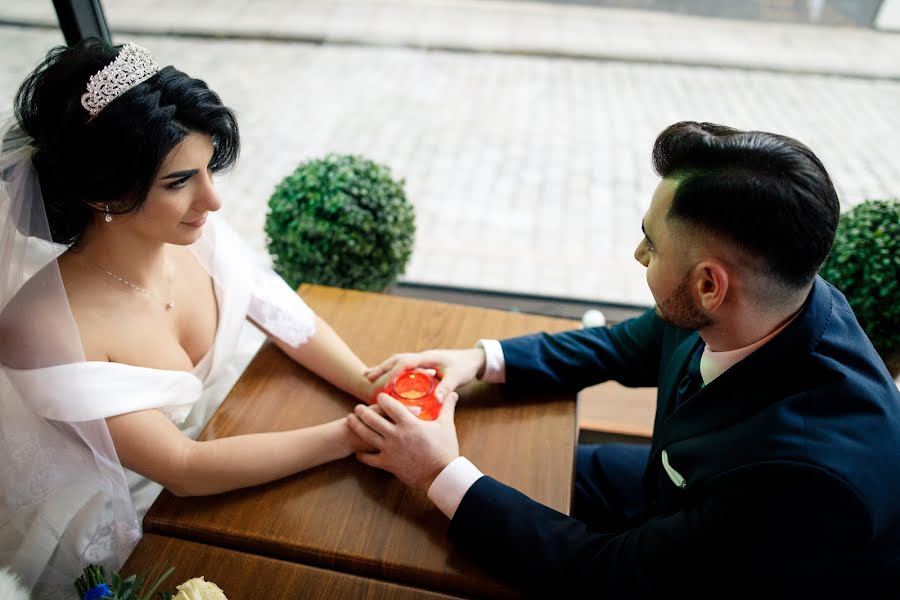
243,576
613,408
347,517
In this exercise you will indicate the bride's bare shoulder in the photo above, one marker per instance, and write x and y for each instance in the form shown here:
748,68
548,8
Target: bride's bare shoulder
36,325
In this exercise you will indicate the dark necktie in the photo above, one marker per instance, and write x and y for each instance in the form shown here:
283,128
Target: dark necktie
692,381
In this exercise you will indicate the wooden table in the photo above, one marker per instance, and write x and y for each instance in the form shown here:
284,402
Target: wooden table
245,576
347,517
613,408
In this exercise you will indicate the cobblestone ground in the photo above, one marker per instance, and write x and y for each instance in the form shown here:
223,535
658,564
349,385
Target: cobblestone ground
860,13
527,174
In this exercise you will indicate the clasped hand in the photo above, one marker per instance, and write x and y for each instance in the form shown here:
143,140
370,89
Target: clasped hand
415,451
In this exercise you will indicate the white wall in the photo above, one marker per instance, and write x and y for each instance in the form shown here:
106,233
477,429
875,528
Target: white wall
889,15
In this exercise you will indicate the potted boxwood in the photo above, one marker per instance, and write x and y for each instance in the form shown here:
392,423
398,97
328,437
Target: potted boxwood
864,264
341,221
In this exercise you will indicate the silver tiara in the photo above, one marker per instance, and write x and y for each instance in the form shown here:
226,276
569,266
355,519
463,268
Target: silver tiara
132,66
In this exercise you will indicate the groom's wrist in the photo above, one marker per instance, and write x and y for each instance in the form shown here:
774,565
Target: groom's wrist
450,486
482,358
494,366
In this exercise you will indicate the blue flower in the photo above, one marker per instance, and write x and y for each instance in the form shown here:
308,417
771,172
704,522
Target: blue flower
97,592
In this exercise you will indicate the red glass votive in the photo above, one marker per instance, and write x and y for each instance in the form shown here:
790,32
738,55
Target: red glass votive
414,388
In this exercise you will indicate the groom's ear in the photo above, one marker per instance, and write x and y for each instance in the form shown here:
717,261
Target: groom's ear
711,284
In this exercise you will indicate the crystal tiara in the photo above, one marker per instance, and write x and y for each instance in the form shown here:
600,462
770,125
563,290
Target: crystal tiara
132,66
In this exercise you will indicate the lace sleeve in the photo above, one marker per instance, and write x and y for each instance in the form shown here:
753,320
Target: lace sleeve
278,309
273,305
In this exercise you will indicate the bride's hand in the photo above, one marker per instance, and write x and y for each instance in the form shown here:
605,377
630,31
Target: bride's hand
374,387
354,442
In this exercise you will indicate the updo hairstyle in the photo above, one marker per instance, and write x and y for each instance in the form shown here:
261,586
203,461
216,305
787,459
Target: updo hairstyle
114,157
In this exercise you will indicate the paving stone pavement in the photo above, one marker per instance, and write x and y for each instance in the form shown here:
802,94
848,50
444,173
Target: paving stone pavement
508,27
528,174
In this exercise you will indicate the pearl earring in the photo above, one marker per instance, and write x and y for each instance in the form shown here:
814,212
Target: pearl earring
108,217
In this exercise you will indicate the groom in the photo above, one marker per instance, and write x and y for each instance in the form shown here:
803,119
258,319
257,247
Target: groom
774,468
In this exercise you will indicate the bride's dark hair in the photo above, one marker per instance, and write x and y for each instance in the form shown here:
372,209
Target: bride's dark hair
114,157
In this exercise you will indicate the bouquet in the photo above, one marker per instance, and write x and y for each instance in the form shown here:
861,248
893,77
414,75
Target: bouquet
95,585
10,586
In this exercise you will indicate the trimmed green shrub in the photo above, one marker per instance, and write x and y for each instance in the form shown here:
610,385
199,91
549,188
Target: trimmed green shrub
341,221
864,264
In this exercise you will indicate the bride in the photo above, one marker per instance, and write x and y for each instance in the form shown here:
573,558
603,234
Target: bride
122,298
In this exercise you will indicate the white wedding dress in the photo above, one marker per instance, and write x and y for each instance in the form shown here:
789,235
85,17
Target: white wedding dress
68,501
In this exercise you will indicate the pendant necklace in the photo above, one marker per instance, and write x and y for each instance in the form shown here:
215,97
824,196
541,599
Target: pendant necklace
170,302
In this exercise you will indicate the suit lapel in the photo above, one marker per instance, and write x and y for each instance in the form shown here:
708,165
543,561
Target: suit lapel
746,387
670,374
729,398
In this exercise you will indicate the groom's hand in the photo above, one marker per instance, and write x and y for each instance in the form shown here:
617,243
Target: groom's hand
454,367
414,450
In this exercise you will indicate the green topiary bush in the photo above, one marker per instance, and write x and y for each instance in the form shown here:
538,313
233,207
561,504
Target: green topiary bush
865,265
340,221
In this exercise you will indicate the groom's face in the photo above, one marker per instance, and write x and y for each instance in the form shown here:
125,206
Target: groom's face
669,251
681,309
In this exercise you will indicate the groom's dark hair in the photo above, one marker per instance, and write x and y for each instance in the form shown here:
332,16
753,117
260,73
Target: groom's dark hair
766,193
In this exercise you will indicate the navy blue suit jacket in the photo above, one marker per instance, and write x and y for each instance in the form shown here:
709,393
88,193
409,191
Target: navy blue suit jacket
790,460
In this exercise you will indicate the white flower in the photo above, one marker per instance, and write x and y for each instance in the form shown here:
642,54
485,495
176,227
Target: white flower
10,588
199,589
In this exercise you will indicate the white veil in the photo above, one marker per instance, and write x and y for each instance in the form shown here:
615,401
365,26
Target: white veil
65,501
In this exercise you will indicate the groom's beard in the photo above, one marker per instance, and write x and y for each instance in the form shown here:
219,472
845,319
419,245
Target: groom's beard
680,310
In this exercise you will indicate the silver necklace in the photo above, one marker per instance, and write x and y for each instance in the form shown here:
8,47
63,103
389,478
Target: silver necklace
170,303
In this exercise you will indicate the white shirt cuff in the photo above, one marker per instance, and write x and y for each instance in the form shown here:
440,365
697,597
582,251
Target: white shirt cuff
450,486
494,363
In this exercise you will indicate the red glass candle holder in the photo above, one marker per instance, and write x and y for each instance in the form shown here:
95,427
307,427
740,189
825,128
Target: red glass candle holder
415,388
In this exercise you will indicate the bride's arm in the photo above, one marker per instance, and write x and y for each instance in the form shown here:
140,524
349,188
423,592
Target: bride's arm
329,357
148,443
